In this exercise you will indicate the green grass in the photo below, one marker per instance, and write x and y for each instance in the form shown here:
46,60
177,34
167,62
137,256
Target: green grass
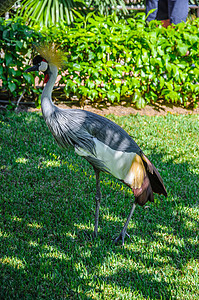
47,215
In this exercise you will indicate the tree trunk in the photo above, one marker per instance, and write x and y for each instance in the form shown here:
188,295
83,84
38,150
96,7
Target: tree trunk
5,5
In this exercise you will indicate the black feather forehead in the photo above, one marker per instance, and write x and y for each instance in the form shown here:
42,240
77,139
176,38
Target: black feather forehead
37,59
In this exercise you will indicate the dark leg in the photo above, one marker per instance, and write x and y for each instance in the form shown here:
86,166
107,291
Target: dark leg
98,200
123,232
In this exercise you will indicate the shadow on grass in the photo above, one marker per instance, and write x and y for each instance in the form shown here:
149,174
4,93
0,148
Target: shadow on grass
47,210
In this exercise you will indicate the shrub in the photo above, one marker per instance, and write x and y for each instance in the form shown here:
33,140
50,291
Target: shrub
113,58
16,49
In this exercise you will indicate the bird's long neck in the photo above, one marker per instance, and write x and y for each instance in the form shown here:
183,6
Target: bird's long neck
47,105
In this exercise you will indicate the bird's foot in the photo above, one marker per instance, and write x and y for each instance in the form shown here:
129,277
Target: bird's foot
121,237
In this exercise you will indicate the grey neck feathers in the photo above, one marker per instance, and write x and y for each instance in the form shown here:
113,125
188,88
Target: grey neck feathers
47,105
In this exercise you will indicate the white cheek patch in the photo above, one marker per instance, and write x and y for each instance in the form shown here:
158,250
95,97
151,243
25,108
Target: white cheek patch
43,66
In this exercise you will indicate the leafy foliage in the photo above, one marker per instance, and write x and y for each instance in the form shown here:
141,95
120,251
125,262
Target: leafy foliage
112,59
16,49
107,7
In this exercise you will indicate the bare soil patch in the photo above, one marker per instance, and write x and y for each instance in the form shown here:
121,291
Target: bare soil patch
120,110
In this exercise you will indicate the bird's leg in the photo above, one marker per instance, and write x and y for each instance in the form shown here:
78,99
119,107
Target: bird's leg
123,232
98,200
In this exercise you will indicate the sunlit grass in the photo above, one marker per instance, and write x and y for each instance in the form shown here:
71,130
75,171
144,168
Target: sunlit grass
13,262
47,216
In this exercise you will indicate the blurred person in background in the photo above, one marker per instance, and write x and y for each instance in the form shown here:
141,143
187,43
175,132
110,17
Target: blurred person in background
167,11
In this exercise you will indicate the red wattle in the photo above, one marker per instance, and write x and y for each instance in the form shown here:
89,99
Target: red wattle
46,78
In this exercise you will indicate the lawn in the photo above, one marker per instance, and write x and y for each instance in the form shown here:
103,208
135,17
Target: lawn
47,216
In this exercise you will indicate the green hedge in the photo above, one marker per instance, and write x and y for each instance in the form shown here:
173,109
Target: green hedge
15,54
112,59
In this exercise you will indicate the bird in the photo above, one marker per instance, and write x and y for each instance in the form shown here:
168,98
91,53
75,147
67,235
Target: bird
104,144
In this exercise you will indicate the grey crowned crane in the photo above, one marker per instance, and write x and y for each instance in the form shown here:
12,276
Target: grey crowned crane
104,144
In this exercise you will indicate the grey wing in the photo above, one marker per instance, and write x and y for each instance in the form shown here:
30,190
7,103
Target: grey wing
68,128
110,134
78,128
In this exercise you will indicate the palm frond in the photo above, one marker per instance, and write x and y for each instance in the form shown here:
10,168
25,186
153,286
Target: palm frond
49,12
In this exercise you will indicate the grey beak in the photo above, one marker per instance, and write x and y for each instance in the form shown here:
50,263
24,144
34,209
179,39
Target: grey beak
31,69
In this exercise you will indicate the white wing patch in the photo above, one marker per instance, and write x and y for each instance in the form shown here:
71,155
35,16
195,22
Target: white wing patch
118,163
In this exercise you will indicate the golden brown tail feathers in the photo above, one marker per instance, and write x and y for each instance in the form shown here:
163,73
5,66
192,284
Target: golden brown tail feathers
152,183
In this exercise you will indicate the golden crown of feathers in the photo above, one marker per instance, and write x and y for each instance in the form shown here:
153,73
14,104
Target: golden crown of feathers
51,54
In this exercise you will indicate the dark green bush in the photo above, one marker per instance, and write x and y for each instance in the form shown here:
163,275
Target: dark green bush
16,51
114,59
